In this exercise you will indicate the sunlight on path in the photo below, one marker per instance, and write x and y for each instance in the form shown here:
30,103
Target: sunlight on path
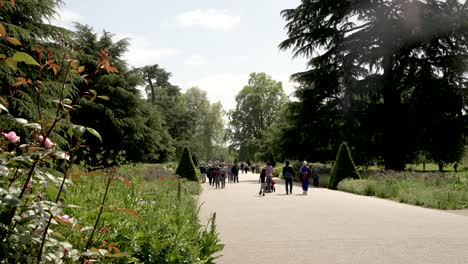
329,227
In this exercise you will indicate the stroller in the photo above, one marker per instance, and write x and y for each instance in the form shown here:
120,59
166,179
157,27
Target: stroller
272,187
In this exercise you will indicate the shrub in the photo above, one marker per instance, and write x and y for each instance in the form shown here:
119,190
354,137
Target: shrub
195,160
343,168
271,159
186,168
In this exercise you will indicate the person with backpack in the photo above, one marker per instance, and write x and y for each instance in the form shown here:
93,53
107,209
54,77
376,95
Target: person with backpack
288,174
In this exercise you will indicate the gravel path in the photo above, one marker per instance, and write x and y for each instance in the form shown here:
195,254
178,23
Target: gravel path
329,227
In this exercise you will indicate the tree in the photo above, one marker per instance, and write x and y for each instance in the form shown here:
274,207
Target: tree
186,168
343,167
258,104
373,56
129,126
157,78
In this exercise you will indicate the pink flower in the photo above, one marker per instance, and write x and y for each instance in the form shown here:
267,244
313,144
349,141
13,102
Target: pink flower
47,143
65,251
40,196
11,136
66,218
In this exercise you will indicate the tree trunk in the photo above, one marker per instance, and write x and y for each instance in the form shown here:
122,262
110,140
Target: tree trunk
441,166
392,118
153,94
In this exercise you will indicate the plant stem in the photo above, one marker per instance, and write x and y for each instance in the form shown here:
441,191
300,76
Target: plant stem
109,181
65,176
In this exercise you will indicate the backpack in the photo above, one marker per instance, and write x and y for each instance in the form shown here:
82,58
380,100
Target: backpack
288,174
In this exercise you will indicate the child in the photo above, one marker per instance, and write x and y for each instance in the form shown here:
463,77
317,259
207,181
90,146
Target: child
262,181
273,189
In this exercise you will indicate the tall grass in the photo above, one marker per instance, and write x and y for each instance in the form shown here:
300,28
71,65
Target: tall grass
433,190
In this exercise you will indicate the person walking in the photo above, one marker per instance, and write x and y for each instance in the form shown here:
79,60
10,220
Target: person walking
305,175
288,174
315,177
203,172
235,173
262,182
269,175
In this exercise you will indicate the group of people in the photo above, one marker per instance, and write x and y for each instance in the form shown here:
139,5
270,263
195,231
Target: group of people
218,172
305,173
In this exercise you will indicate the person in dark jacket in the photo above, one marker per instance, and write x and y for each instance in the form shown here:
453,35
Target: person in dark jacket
288,174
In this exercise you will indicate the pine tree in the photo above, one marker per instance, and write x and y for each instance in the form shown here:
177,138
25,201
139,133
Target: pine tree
343,168
186,168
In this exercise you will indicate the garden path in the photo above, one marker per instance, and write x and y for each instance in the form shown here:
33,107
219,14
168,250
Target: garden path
329,227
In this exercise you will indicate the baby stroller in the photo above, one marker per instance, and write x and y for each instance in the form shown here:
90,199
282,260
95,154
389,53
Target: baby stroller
272,187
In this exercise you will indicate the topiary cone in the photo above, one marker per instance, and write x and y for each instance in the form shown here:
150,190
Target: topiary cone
186,168
343,168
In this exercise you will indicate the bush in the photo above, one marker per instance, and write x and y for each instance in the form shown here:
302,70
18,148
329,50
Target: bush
343,168
186,168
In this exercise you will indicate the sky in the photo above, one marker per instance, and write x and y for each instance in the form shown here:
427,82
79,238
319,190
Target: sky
211,44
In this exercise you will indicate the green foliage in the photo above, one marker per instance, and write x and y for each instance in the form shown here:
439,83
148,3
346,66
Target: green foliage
272,159
433,190
343,167
186,168
128,124
146,218
367,84
257,108
195,160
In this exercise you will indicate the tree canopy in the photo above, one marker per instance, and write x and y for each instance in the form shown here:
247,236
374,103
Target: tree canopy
257,108
376,66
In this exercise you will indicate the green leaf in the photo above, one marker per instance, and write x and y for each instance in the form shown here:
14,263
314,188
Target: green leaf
78,131
3,56
11,63
26,58
52,192
95,133
33,125
22,121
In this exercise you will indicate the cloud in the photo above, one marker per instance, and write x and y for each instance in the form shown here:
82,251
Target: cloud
212,19
196,60
142,50
222,87
65,18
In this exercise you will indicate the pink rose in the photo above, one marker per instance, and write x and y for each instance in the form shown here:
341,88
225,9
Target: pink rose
11,136
47,143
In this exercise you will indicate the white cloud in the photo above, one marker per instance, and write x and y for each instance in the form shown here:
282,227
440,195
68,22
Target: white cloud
142,50
213,19
222,87
196,60
65,18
